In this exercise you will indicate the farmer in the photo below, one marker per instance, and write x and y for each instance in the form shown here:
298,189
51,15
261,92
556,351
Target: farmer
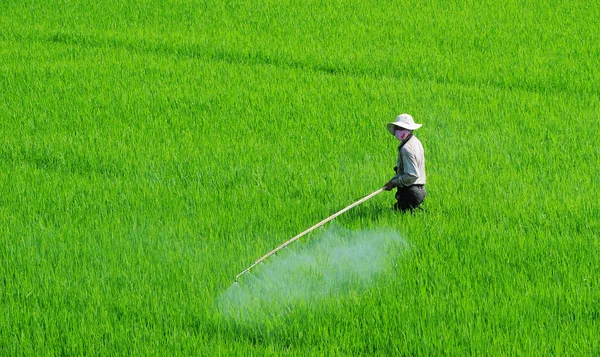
410,167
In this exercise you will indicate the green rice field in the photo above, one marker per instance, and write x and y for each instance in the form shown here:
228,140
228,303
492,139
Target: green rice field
151,151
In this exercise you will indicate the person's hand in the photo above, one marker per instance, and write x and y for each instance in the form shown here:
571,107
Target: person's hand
388,186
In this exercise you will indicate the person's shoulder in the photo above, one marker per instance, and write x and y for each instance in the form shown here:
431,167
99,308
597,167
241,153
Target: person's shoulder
415,141
411,144
415,138
412,141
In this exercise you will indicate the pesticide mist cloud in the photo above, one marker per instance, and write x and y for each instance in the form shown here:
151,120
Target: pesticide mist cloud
332,263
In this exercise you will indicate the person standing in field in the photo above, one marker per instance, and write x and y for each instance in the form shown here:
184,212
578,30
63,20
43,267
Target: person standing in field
410,167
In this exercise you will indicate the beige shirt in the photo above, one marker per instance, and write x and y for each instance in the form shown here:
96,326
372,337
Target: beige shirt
410,167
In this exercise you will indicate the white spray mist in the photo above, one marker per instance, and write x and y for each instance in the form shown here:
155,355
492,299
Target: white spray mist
333,263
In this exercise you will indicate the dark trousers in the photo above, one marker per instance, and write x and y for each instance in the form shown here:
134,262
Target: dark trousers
409,197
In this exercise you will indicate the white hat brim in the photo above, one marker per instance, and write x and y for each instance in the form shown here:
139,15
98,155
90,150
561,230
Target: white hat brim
391,127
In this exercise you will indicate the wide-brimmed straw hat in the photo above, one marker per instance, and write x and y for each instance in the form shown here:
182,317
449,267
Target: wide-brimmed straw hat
404,121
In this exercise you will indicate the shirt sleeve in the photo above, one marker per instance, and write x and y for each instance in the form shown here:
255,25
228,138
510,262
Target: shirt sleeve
410,173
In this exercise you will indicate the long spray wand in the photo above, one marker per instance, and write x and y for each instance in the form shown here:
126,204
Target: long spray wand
309,230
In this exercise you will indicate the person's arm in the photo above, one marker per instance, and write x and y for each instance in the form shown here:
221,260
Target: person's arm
409,174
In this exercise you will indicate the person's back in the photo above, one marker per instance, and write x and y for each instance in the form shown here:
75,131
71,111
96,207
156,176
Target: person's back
415,167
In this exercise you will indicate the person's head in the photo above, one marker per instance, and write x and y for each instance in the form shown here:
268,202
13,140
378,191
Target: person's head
403,122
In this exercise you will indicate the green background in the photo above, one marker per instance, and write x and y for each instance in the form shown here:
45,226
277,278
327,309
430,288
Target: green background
150,152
